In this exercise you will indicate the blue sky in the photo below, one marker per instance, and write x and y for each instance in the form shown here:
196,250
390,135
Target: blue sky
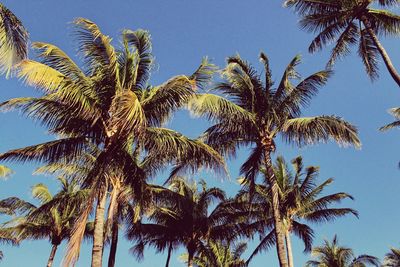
185,31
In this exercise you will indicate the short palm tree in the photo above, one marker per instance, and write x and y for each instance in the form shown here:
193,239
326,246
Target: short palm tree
220,254
108,104
392,259
254,113
183,217
332,254
351,22
300,203
13,40
53,219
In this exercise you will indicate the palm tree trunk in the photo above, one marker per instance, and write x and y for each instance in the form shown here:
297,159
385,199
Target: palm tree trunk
389,65
169,255
190,259
280,237
98,235
289,249
52,254
113,213
114,243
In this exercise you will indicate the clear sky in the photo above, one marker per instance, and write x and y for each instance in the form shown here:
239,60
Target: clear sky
183,32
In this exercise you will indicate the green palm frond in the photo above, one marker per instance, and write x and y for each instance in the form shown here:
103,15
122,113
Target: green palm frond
63,149
303,131
161,101
57,59
128,115
141,41
368,53
96,48
13,40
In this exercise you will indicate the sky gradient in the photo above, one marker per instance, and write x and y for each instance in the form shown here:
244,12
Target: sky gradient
183,32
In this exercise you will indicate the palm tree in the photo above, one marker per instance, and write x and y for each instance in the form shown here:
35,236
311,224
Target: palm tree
182,217
108,104
300,202
220,254
392,259
255,113
331,254
13,40
348,22
52,219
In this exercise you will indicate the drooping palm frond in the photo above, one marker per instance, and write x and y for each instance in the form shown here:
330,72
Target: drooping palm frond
13,40
303,131
63,149
168,146
141,41
96,48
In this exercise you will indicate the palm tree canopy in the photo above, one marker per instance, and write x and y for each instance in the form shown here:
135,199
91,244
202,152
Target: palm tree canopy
219,254
333,255
392,259
254,112
301,203
182,216
52,219
344,23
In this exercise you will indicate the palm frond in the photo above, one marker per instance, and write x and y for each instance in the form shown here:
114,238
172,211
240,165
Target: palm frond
309,130
13,40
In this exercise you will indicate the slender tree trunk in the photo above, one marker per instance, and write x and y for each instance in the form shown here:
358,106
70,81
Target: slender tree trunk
280,236
98,236
52,254
114,243
190,259
169,255
388,62
113,213
289,249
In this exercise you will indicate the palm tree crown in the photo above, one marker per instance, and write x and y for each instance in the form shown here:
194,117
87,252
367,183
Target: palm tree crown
351,22
182,217
300,203
53,219
333,255
392,259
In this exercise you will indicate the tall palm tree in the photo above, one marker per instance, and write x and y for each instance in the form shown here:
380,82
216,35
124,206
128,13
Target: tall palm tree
108,104
392,259
13,40
332,254
182,217
256,112
53,219
220,254
300,203
351,22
